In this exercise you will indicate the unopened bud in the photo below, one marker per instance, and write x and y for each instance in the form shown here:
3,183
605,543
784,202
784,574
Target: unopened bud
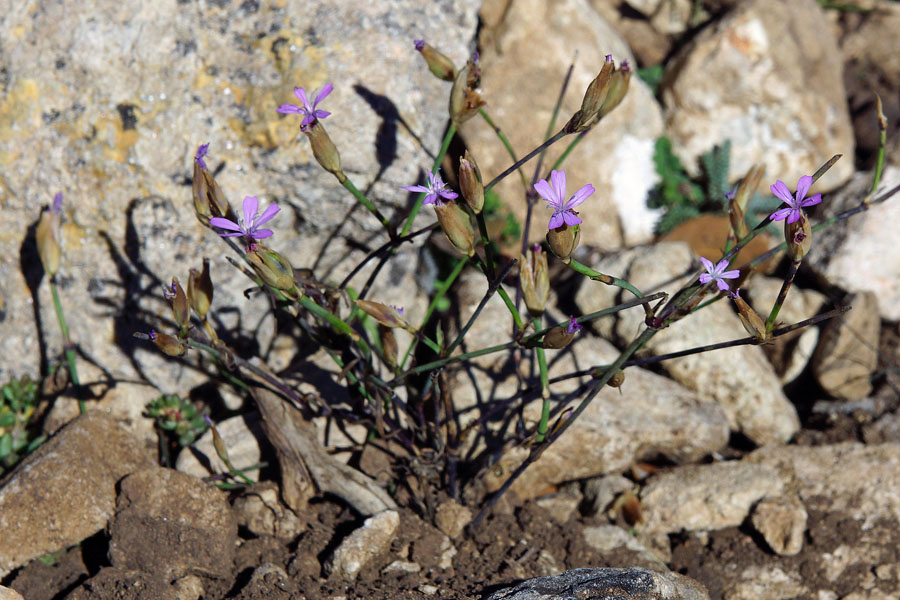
47,235
563,240
740,198
389,316
218,442
200,290
561,336
438,63
617,379
465,97
593,100
751,321
324,150
181,306
798,236
457,226
273,268
470,183
169,344
389,346
618,87
534,280
209,199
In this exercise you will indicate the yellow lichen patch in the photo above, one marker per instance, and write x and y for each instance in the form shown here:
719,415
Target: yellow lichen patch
72,236
20,111
117,142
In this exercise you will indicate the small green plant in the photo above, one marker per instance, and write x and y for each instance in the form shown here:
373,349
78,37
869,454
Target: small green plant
178,416
18,401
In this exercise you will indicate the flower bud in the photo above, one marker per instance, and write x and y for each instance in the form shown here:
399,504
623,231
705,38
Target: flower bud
181,307
593,100
798,236
273,268
209,199
617,379
169,344
200,290
618,87
534,280
47,235
389,316
218,442
324,150
470,183
751,321
457,226
740,198
561,336
465,96
389,346
438,63
563,240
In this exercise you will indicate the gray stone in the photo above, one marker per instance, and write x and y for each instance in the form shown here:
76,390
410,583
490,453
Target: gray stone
171,524
610,538
861,253
847,354
599,492
627,584
703,497
778,97
364,544
740,379
128,90
617,157
81,464
451,518
242,436
9,594
782,522
261,511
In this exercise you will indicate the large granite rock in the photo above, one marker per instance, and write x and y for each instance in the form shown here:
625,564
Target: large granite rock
526,51
767,76
107,103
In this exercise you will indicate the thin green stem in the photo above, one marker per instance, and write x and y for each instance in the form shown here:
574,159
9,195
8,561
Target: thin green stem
368,204
440,291
506,144
445,145
545,387
488,247
779,302
67,344
522,161
493,286
335,321
882,142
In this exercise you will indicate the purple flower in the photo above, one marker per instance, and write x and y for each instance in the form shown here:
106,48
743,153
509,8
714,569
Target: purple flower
556,199
573,327
309,111
795,203
718,273
399,309
248,226
435,190
419,44
57,203
201,152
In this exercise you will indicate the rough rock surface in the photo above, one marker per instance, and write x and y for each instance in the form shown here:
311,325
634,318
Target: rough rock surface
740,379
126,92
862,253
698,497
364,544
82,463
171,524
847,354
782,522
617,157
628,584
778,96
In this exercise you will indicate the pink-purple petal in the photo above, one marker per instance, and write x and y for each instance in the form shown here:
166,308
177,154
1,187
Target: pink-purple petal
301,96
291,109
812,200
580,196
781,191
251,206
323,94
546,192
259,234
722,285
570,218
705,278
556,220
794,216
558,179
448,194
803,185
321,114
707,264
415,188
731,274
780,214
268,214
223,223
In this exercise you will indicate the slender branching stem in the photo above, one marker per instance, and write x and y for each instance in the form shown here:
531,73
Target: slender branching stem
782,295
368,204
68,349
545,387
558,136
